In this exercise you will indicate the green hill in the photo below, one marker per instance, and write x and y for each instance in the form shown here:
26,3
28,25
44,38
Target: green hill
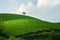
20,24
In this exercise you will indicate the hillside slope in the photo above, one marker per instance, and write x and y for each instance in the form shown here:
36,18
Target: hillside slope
20,24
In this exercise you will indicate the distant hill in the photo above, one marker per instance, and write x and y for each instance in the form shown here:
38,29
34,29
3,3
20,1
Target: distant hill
21,24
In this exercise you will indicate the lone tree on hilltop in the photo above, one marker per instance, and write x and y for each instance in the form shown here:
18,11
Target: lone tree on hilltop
24,13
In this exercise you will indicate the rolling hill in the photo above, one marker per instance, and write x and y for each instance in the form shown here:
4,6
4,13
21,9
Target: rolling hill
21,24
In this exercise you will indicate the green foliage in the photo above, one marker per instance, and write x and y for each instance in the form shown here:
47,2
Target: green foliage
1,26
53,35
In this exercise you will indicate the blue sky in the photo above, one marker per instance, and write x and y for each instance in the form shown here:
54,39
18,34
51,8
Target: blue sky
48,10
9,5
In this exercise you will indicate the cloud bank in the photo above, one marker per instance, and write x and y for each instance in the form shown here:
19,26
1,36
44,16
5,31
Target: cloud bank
49,3
45,9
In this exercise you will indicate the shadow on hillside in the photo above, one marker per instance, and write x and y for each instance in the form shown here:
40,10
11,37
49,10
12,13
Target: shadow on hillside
52,34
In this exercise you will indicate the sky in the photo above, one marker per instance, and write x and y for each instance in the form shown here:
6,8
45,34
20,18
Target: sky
48,10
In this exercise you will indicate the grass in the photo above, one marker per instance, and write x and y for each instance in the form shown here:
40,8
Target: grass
21,24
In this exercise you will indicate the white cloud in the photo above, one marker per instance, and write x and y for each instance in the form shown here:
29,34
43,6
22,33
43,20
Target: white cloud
40,4
49,3
22,8
45,9
25,8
